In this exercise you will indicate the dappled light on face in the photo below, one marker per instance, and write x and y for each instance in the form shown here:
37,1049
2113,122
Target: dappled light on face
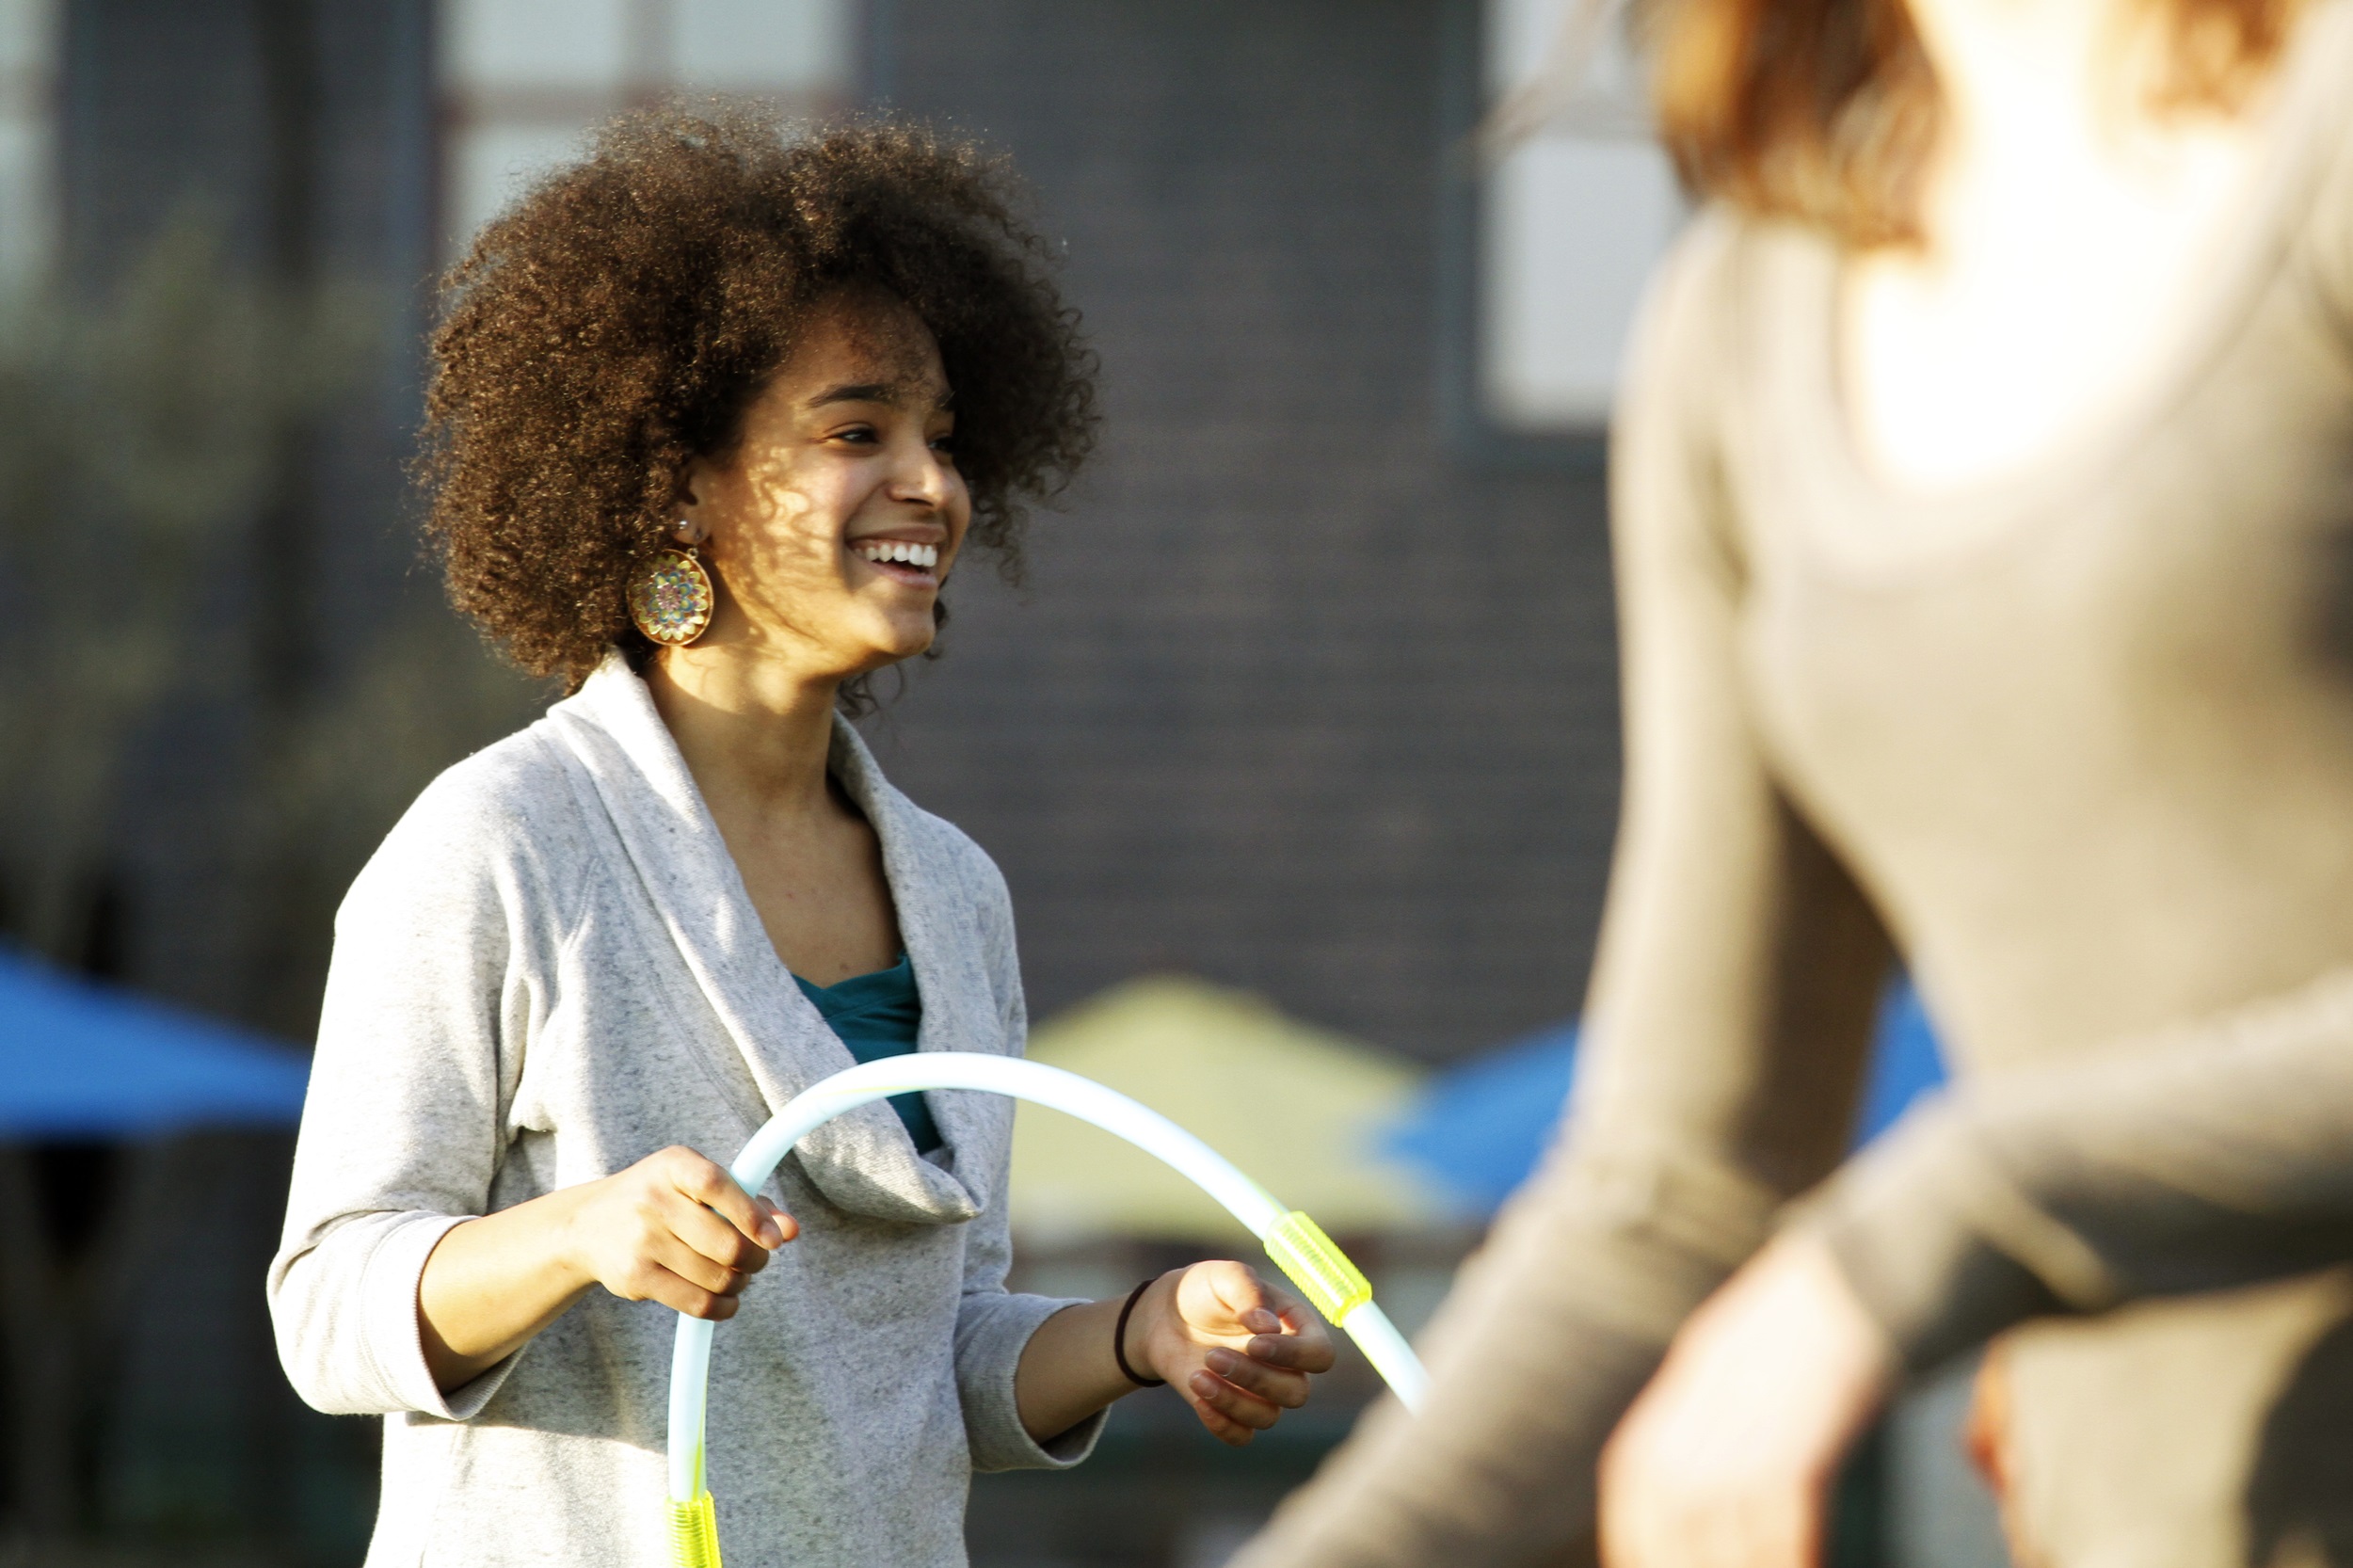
836,454
782,553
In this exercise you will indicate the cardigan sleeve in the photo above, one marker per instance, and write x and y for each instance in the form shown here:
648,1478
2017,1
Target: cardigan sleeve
2214,1156
1731,1003
993,1324
430,993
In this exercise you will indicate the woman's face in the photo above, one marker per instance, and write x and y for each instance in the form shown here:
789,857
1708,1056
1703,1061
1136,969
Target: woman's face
833,523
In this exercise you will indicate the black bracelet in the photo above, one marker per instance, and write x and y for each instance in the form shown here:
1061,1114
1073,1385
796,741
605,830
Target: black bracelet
1119,1341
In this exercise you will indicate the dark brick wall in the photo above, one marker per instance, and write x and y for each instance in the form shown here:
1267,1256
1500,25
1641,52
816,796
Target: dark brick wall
1296,697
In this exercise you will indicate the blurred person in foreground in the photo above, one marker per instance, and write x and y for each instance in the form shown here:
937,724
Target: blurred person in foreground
606,950
1983,491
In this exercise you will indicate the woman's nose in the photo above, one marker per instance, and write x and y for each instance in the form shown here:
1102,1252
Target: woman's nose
923,476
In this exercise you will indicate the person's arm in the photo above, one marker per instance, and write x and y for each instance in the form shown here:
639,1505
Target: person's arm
1035,1373
1731,1009
429,998
673,1228
391,1291
2219,1156
1238,1349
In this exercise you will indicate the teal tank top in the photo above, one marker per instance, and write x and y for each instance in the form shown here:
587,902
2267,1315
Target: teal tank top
878,1014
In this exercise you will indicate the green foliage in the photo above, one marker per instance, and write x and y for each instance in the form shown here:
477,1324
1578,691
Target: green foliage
139,435
146,435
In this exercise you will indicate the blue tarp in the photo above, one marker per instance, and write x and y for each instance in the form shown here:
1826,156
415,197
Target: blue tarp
82,1061
1906,1062
1480,1128
1477,1130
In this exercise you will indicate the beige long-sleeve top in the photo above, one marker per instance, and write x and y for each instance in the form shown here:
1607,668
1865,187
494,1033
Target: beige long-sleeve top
551,971
2080,746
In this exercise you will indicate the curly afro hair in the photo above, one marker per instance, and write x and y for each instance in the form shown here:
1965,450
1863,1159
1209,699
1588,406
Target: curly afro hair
620,318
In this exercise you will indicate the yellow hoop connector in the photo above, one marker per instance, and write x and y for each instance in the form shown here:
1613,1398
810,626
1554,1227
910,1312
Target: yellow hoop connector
694,1532
1324,1276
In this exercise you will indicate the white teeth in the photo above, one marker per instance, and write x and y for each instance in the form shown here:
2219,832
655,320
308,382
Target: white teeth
924,556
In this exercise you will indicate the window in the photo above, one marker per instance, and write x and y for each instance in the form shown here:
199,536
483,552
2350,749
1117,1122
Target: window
27,139
523,79
1563,234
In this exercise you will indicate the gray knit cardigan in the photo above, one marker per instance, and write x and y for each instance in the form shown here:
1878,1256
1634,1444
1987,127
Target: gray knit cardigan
549,970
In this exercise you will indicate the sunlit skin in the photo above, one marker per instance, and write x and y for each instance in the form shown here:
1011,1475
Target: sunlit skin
849,447
2072,231
2070,227
1728,1458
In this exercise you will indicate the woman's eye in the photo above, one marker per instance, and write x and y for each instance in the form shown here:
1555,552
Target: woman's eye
944,445
862,435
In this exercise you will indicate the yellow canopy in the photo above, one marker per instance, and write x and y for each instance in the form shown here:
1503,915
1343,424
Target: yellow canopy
1294,1106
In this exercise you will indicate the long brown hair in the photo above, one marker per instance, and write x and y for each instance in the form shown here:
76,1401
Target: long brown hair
1826,110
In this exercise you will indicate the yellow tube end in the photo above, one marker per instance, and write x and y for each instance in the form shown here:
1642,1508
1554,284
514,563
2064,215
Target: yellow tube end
1322,1272
694,1532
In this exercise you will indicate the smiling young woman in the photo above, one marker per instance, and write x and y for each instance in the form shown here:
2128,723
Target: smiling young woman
716,414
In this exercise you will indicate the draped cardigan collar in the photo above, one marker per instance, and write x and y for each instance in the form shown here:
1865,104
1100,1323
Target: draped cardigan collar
771,1043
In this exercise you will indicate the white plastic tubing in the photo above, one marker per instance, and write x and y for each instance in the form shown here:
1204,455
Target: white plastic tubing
1114,1112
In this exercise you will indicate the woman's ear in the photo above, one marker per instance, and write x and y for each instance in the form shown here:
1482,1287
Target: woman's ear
693,507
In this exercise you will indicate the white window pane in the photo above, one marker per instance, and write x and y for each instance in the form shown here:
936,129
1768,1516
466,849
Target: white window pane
579,44
25,40
24,197
1573,223
489,165
799,48
28,42
524,78
1573,228
1522,36
1519,34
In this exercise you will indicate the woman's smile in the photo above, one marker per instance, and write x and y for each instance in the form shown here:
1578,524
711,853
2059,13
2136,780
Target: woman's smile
902,559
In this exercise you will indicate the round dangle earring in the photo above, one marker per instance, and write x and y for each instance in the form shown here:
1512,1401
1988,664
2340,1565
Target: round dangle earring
671,598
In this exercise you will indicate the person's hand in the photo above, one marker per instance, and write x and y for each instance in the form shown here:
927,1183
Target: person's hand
673,1228
1727,1459
1239,1350
1989,1437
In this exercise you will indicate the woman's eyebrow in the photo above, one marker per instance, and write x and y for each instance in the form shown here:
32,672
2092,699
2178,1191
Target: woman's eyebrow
890,394
858,392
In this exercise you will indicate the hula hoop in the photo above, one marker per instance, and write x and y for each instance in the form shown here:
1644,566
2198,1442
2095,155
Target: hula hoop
1296,1243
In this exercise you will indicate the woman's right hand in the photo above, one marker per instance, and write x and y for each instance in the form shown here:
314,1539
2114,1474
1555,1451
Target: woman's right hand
673,1228
1728,1457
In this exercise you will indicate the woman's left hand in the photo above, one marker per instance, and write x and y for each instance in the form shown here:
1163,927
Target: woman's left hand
1727,1459
1239,1350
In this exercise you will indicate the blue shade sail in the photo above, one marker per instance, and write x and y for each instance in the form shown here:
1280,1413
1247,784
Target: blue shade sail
1479,1130
80,1061
1906,1062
